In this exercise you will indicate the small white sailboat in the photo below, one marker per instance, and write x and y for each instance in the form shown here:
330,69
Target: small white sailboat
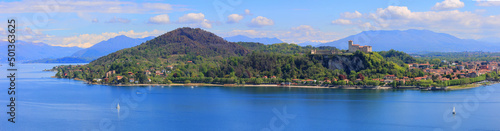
454,111
118,106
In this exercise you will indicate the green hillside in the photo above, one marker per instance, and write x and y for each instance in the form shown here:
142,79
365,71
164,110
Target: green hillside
194,55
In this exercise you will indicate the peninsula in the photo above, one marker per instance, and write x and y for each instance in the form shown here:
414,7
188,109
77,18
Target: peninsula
195,56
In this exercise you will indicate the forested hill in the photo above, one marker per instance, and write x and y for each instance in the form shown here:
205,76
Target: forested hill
182,42
200,56
282,48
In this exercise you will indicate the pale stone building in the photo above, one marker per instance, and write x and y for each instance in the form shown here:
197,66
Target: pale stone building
353,48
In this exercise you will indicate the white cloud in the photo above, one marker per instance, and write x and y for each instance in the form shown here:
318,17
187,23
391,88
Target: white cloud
158,6
247,12
26,34
448,5
118,20
487,3
192,18
479,11
159,19
195,20
71,6
234,18
342,22
206,24
394,12
463,24
350,15
260,21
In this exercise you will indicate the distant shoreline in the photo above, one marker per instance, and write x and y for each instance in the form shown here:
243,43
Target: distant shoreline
473,85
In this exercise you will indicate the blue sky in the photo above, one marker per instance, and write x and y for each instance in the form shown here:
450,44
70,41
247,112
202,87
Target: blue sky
84,23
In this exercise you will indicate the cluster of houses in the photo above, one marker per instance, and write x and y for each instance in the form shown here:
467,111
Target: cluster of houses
454,70
460,70
148,72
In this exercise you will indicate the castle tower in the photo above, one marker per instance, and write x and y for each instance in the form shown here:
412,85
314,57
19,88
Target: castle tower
349,48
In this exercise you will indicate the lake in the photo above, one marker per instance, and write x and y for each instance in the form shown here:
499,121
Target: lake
44,103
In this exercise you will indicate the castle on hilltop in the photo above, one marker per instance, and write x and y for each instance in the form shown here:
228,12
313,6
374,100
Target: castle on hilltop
352,48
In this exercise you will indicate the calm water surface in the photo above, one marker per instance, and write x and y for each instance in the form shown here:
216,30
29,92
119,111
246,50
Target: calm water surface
45,103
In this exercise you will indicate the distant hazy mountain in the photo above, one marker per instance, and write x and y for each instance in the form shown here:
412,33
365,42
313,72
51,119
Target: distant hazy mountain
109,46
241,38
26,51
309,43
490,39
413,41
62,60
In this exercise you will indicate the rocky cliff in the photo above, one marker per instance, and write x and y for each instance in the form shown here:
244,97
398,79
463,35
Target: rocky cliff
341,62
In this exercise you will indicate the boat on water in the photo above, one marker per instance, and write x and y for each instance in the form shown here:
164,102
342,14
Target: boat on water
453,111
118,106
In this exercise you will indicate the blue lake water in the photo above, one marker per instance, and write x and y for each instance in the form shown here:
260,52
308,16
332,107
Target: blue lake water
44,103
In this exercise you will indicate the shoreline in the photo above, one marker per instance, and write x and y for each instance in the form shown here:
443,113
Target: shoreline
353,87
473,85
261,85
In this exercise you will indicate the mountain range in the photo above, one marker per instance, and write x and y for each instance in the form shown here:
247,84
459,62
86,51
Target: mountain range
413,41
109,46
26,51
310,43
100,49
241,38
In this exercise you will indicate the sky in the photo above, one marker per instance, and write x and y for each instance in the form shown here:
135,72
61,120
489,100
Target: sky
84,23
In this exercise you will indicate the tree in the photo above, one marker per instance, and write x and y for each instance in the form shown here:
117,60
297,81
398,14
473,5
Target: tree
167,81
258,81
176,75
360,76
187,81
342,77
